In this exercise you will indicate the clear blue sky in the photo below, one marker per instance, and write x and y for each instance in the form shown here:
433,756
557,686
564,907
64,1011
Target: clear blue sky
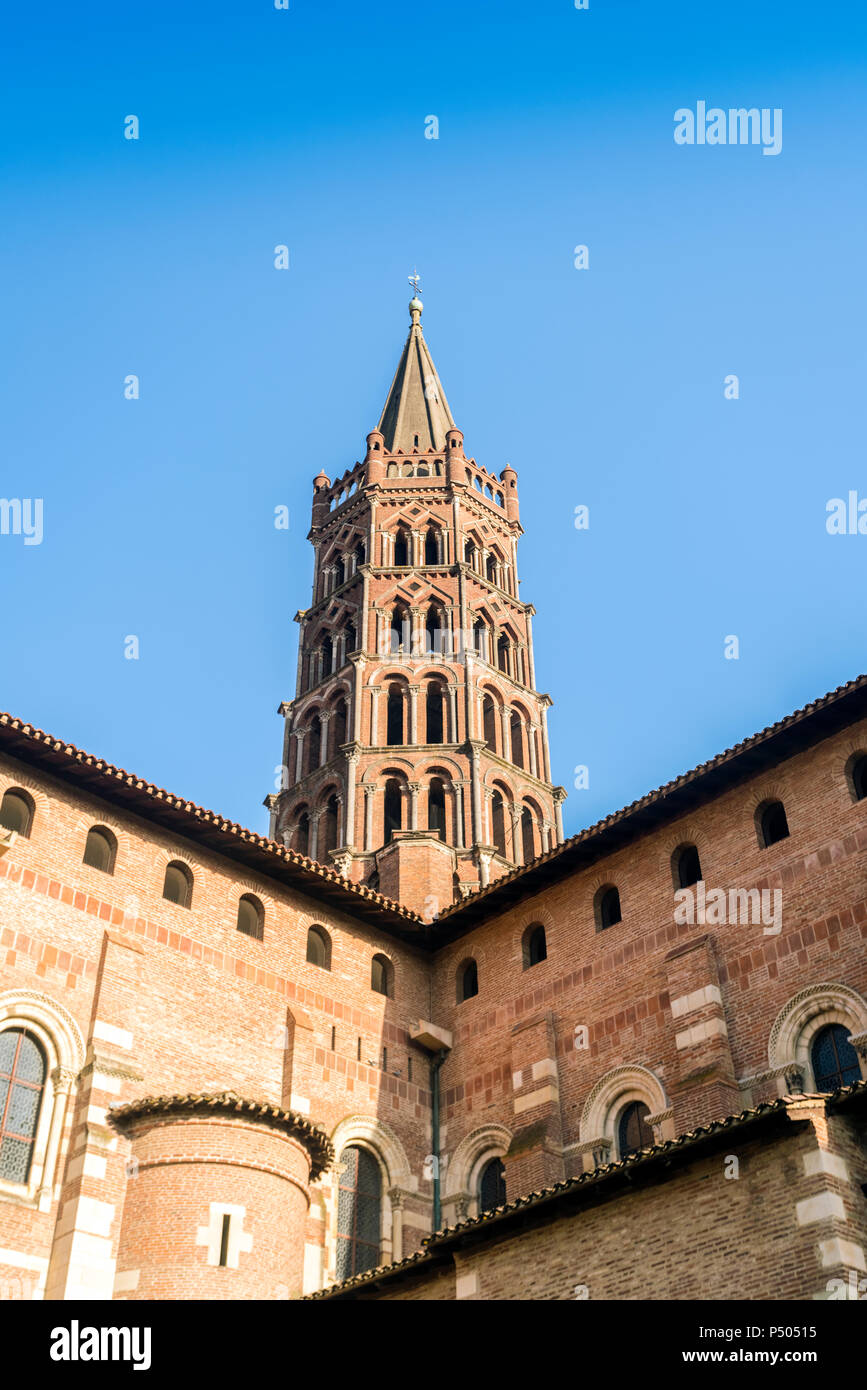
601,387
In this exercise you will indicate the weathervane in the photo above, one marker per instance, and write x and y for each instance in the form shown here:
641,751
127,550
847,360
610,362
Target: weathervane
415,281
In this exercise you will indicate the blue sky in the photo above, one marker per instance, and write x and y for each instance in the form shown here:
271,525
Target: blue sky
601,387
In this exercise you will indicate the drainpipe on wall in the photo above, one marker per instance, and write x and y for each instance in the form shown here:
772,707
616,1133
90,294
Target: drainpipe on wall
435,1136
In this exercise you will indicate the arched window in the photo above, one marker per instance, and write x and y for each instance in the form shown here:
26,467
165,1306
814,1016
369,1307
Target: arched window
380,975
302,834
434,711
312,743
773,825
498,823
393,808
338,725
503,654
16,812
351,638
470,553
687,866
633,1131
482,639
327,655
339,571
251,917
178,884
607,906
328,828
535,946
359,1213
22,1079
528,835
394,716
516,731
468,981
857,774
100,848
319,948
431,546
401,631
434,630
489,722
492,1186
491,568
834,1059
401,549
436,807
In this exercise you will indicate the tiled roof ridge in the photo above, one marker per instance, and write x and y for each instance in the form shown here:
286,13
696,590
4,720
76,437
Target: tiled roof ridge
204,815
316,1140
651,797
445,1236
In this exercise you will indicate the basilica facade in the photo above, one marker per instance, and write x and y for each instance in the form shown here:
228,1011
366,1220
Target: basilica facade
413,1043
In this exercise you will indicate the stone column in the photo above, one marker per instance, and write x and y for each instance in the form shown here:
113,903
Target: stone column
546,836
413,713
517,838
453,714
314,834
559,798
531,745
299,753
546,754
531,674
371,536
396,1199
413,809
459,818
417,633
323,737
374,715
351,766
369,794
63,1081
505,721
477,794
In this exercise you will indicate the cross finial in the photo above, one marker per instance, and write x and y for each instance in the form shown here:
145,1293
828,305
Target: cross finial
415,281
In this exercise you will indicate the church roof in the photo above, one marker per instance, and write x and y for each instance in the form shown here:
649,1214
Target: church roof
207,828
416,414
816,721
772,745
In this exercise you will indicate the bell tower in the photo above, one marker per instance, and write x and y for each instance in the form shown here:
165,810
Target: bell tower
416,748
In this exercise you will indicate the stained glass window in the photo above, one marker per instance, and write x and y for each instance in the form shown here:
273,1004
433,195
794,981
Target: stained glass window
835,1061
22,1078
359,1213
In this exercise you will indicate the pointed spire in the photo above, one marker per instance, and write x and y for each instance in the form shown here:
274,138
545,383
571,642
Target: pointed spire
416,404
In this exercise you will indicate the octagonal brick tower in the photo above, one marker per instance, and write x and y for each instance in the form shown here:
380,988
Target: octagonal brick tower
415,753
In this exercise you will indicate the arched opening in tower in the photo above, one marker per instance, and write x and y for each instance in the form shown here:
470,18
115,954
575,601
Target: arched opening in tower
436,807
393,801
394,716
